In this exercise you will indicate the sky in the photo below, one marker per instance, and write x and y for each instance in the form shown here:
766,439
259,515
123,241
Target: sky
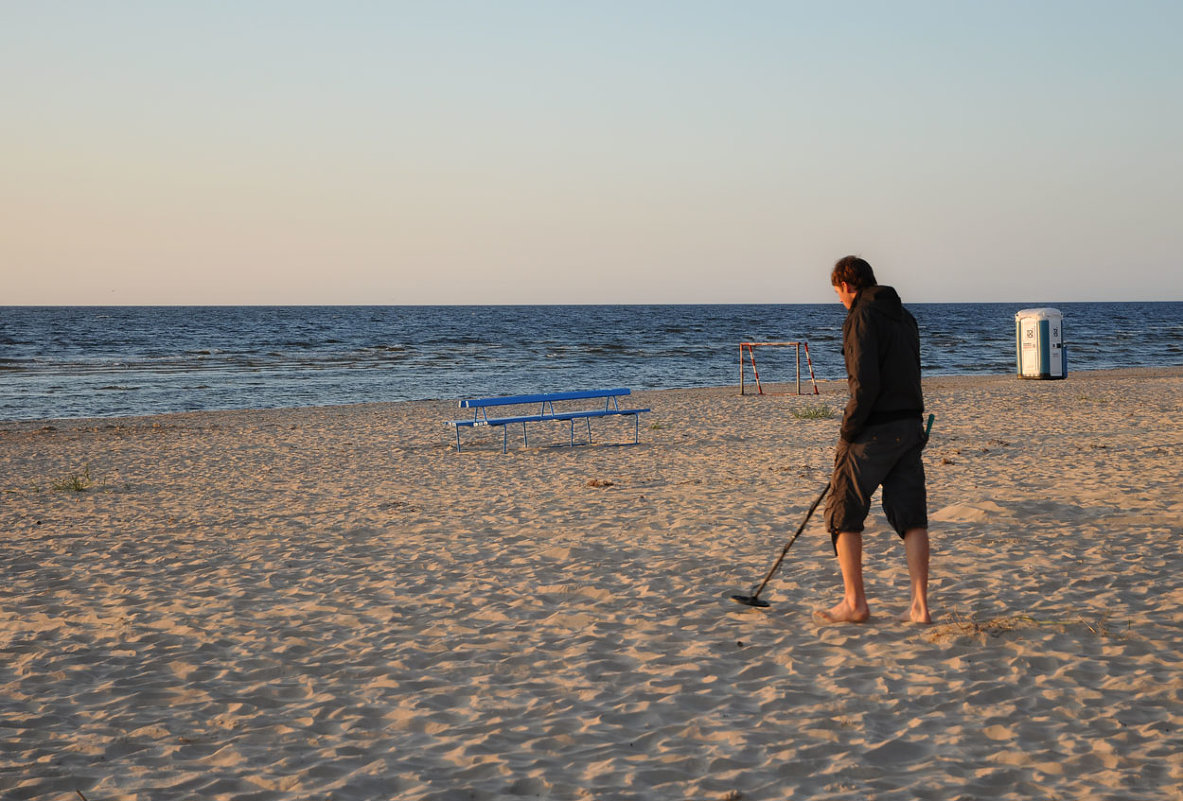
588,152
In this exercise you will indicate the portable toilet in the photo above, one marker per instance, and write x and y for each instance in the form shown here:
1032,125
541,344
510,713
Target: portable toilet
1039,335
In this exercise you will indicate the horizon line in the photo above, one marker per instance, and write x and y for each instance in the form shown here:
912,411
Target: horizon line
532,305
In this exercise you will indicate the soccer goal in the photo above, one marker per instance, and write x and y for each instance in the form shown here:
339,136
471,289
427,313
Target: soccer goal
749,348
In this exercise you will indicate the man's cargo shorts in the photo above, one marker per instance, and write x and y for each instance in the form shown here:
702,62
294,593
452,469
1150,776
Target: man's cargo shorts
887,455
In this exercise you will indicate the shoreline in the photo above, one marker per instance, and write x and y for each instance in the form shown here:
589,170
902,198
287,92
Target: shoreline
776,387
298,603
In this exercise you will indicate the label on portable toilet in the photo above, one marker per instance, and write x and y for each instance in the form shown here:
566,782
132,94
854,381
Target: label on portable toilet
1040,341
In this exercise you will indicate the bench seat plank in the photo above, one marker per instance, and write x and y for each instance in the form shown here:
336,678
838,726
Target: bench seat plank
594,413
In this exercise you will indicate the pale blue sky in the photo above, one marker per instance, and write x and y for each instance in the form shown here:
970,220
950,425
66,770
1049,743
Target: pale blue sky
614,152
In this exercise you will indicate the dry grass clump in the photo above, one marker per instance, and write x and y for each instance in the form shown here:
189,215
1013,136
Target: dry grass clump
78,481
814,411
982,627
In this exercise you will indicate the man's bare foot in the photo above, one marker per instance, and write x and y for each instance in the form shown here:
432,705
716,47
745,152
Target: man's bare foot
919,617
843,613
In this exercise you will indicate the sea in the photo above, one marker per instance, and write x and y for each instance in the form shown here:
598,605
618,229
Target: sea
82,362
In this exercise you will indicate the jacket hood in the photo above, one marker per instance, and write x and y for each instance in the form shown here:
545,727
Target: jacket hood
881,299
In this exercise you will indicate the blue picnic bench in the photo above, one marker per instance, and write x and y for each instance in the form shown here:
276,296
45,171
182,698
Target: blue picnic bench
546,412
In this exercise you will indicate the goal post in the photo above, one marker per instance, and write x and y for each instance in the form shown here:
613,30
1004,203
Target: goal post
750,349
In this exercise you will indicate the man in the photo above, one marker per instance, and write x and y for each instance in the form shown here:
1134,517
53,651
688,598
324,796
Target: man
881,439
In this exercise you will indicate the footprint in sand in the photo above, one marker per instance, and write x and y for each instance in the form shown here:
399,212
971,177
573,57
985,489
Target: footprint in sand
968,512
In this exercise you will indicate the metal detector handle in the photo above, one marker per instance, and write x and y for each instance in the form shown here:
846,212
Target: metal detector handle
789,544
927,429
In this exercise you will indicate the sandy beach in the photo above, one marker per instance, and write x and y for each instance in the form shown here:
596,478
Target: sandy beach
333,603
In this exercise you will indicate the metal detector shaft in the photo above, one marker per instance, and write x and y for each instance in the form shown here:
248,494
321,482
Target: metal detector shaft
789,544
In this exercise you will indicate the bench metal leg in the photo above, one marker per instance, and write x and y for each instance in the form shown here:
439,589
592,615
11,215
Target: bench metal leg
636,429
457,439
525,439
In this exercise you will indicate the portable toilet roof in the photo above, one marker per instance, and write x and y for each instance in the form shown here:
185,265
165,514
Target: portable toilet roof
1042,313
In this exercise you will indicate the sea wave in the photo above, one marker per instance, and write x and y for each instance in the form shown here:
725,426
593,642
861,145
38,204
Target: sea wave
123,361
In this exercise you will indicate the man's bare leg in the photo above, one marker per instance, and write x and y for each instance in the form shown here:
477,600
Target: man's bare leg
853,608
916,548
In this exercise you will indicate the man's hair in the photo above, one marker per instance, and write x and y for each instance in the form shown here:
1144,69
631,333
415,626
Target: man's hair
853,271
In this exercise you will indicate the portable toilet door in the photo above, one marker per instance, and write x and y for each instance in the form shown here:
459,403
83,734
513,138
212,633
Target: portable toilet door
1039,335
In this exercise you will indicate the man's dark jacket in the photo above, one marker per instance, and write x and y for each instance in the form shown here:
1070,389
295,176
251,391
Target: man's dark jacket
881,343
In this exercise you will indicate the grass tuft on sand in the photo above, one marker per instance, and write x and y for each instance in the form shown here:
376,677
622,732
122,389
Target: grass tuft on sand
814,411
79,481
